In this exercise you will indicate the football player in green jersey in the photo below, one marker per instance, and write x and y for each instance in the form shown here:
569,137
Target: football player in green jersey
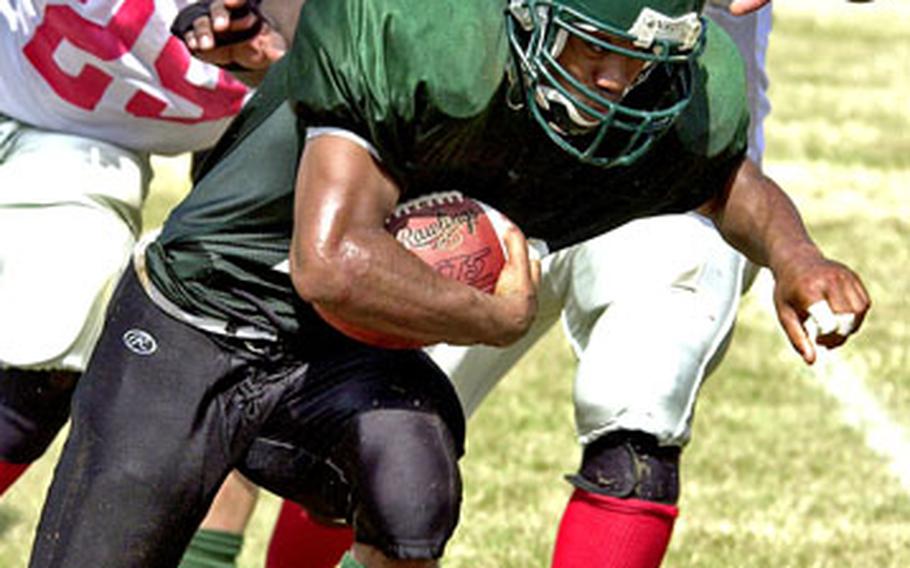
570,117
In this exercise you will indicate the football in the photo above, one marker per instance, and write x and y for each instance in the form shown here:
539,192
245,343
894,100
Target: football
460,237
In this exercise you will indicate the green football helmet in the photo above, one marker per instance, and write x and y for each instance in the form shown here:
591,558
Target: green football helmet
667,35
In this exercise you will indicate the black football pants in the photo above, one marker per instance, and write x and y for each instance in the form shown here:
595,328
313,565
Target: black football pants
165,411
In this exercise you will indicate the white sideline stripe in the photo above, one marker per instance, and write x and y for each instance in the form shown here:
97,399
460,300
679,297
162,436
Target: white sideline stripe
859,407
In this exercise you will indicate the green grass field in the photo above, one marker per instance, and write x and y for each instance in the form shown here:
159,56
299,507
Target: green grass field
780,472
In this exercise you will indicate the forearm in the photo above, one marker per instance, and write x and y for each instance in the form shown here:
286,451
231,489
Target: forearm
761,221
378,285
758,218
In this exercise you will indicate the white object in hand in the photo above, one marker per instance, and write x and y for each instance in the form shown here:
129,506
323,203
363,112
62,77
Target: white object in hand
823,321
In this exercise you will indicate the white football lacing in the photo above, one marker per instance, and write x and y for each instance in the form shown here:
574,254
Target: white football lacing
429,200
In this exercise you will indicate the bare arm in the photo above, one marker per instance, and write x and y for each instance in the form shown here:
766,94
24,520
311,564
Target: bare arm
760,220
343,259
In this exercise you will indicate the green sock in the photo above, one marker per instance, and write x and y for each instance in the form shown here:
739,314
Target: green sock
347,561
212,549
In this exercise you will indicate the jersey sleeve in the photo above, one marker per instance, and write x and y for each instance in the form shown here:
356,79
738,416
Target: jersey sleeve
713,131
715,125
391,71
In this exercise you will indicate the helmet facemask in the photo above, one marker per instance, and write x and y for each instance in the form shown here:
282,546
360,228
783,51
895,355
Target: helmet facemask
579,118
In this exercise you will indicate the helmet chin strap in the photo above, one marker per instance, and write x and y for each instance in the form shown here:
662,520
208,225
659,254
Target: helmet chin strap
564,115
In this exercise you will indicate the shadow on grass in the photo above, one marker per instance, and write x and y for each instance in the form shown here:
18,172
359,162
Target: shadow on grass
8,519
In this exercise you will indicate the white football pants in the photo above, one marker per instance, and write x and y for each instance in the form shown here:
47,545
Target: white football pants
69,215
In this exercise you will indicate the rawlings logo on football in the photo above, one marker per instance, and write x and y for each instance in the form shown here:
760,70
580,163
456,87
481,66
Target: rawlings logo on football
445,233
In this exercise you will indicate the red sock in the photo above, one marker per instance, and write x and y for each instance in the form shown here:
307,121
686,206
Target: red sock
9,473
300,542
608,532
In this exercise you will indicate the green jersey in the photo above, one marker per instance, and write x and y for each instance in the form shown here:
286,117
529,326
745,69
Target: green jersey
426,85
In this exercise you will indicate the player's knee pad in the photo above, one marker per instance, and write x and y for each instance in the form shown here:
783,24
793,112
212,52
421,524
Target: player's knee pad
629,464
34,406
406,482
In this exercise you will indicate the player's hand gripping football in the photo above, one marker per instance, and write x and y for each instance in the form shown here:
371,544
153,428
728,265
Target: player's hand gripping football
516,289
230,33
819,302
